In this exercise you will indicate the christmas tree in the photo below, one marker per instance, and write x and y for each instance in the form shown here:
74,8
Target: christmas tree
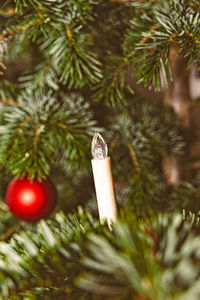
125,68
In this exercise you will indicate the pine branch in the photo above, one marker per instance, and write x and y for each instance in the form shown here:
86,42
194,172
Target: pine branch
30,130
54,244
19,28
113,86
76,64
142,134
68,255
8,92
140,256
178,24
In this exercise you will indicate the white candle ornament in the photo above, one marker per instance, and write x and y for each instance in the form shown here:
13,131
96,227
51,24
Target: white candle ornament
103,180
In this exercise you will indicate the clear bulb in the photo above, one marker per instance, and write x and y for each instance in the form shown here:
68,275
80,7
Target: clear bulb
99,147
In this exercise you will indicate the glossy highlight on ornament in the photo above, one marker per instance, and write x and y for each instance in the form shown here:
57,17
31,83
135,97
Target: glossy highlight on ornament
31,201
99,147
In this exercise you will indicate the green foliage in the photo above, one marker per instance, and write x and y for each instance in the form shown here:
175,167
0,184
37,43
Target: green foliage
76,64
45,74
8,91
60,31
173,24
76,10
38,129
140,135
68,49
78,258
8,223
113,86
47,260
150,259
68,34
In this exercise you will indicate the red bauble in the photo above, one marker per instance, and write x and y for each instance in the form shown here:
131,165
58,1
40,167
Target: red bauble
31,201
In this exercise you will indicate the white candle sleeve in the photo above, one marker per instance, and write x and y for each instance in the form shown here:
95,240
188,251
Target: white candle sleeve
103,181
104,187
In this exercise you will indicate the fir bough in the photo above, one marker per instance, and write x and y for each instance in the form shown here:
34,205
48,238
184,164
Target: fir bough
76,257
37,129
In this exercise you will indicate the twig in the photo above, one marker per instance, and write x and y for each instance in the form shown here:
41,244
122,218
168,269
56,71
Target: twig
134,158
122,65
37,134
8,101
16,30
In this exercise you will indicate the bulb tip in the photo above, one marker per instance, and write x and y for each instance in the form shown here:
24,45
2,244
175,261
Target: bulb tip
99,147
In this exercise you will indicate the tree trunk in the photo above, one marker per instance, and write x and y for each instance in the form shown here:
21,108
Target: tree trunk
177,95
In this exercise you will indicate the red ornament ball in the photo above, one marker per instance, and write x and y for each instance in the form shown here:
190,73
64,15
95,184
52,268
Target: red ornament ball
31,201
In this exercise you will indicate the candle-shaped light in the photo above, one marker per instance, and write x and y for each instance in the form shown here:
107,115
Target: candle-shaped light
103,180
